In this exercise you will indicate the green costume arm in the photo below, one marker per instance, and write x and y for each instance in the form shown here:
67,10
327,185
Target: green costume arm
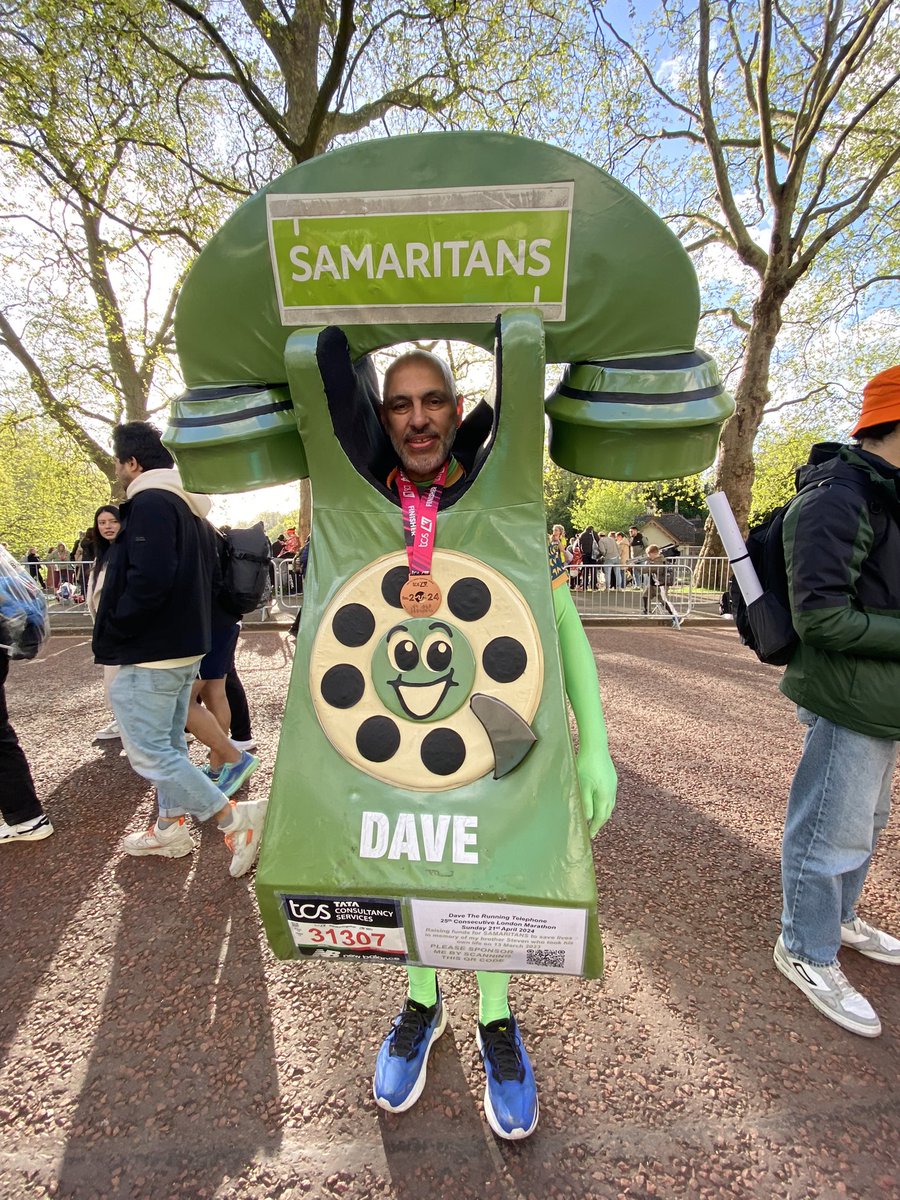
596,773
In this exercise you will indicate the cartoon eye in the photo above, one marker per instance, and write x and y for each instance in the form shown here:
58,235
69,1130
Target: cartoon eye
437,652
404,654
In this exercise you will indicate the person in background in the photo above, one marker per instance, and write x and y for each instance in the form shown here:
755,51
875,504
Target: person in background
841,539
59,571
589,553
154,623
658,577
105,528
209,715
573,562
241,728
33,559
609,555
23,818
87,550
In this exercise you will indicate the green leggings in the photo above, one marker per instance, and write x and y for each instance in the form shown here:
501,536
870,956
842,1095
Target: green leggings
493,987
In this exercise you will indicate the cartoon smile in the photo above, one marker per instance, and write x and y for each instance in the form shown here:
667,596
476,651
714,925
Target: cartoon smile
420,700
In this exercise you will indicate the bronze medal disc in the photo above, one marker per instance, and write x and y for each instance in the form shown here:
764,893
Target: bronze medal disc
420,596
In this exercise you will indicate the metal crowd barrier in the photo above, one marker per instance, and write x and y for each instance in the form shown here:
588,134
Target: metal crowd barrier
600,591
52,575
618,591
287,585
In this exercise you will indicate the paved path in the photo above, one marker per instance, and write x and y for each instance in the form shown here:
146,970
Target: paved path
151,1047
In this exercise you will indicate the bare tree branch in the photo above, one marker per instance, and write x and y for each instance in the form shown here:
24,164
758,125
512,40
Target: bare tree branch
55,407
734,316
747,250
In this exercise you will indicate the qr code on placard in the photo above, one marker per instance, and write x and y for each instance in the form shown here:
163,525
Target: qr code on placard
535,957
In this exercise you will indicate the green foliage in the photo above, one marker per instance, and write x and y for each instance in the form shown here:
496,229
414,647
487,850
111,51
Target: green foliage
49,490
607,504
686,496
275,522
780,450
561,490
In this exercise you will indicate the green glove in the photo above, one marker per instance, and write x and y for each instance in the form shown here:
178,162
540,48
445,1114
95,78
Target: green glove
597,779
596,773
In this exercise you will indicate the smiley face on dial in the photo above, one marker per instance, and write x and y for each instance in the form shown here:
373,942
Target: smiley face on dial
392,692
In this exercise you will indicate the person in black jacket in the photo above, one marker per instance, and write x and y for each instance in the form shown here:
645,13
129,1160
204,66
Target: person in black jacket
153,622
842,553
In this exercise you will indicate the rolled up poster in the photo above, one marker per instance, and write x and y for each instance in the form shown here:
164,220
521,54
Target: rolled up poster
733,543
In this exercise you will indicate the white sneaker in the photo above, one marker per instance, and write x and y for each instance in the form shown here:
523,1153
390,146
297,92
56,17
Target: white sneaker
108,732
174,842
829,990
34,830
244,836
250,744
872,942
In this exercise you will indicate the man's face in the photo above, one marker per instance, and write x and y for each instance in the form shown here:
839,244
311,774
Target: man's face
127,471
420,418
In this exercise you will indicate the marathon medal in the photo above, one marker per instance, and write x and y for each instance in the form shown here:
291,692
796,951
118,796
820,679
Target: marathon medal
420,596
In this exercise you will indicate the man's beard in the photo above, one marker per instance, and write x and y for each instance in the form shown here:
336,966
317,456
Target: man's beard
426,467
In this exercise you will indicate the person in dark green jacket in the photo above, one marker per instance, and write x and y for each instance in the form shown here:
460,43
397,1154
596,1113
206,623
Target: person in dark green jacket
842,553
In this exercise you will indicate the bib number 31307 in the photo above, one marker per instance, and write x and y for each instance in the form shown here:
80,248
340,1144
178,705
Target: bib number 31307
346,925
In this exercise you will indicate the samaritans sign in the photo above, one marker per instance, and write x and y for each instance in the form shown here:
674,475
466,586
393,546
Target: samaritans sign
431,255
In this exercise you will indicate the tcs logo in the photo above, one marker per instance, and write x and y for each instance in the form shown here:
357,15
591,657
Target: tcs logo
310,912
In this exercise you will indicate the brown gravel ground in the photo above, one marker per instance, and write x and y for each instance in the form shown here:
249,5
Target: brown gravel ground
151,1046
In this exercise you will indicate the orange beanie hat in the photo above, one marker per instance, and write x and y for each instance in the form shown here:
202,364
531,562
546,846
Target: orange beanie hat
881,400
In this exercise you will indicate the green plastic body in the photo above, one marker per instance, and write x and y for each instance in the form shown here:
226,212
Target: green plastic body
637,402
532,841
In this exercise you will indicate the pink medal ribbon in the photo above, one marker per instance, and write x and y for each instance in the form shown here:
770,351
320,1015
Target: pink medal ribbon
420,595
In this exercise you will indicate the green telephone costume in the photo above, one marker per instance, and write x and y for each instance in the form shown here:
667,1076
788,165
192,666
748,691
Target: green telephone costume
429,807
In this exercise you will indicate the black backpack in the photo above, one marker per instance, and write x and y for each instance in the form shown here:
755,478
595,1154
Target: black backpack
765,625
245,555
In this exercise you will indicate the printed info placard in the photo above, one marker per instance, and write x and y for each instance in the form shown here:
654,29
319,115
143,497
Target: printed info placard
346,925
477,936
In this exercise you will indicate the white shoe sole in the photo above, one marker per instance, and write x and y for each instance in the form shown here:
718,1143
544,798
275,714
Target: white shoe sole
33,835
179,850
103,736
844,1021
892,960
517,1134
420,1082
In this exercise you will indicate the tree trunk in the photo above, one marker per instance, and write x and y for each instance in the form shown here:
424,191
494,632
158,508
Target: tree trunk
304,521
735,469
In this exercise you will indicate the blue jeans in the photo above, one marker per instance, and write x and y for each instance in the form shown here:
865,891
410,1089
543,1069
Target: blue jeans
839,803
151,707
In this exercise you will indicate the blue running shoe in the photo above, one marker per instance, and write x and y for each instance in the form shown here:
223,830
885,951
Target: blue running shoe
403,1058
510,1095
235,775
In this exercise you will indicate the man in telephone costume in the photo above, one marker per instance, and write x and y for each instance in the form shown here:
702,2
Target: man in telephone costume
427,805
